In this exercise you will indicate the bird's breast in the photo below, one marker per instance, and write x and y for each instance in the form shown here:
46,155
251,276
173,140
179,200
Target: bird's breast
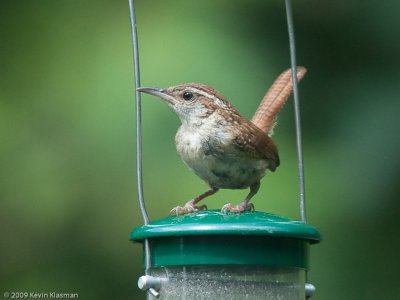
192,144
212,157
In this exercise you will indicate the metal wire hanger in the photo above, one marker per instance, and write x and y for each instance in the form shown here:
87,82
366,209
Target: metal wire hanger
140,194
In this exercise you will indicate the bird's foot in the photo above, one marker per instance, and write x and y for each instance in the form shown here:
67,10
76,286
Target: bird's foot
188,208
241,207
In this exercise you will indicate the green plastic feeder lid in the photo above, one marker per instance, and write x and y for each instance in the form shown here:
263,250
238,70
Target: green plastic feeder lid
213,222
215,238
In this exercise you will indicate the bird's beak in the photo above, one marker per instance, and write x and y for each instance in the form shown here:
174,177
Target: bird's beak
157,92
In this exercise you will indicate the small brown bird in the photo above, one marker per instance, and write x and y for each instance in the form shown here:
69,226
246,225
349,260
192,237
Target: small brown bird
218,144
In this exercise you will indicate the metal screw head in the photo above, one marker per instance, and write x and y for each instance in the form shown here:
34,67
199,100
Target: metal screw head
151,284
310,290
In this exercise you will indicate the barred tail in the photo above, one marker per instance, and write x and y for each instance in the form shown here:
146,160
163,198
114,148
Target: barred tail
267,112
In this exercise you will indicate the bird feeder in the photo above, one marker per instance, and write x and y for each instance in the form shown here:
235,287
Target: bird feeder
214,255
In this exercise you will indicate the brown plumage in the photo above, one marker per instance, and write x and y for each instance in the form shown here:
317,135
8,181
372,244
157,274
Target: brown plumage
218,144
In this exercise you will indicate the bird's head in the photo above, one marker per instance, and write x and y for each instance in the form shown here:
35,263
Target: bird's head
191,101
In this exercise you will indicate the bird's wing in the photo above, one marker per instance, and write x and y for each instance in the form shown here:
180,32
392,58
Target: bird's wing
251,141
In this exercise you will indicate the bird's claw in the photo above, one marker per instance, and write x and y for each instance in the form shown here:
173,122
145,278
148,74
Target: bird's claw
241,207
187,209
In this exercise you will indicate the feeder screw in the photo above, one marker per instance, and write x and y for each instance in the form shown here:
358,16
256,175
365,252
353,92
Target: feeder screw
150,284
310,290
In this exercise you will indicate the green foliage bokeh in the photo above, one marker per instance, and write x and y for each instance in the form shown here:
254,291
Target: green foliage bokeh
67,163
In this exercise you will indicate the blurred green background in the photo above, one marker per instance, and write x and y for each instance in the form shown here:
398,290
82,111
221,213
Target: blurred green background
67,164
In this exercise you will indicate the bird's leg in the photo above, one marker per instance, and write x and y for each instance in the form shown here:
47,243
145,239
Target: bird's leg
190,206
244,205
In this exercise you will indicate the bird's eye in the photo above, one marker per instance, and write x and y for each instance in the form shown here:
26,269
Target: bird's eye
187,95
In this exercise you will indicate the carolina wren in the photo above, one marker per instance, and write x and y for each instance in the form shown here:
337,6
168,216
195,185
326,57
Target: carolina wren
218,144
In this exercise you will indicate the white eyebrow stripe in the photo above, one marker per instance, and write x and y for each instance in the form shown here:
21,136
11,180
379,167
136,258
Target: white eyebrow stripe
205,94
